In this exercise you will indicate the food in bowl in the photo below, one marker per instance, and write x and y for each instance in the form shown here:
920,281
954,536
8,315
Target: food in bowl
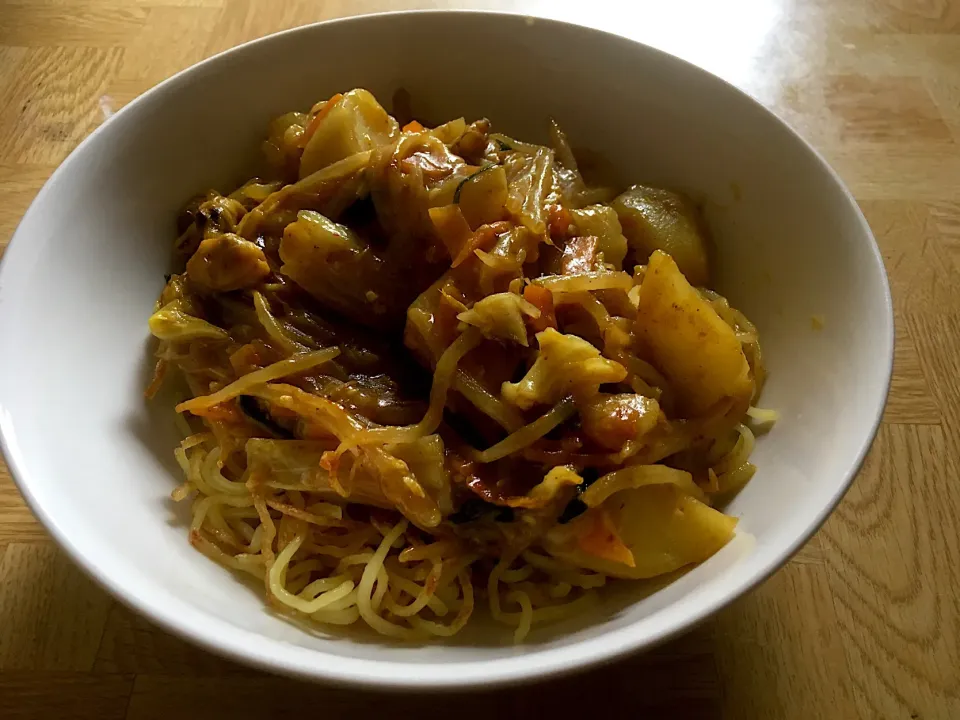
431,364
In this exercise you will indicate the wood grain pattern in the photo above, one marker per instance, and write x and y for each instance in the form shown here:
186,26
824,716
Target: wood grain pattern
52,615
863,623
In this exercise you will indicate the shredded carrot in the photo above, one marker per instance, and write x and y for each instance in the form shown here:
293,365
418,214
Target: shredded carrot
542,299
445,318
330,461
224,412
318,118
246,359
483,239
412,127
559,221
600,539
159,372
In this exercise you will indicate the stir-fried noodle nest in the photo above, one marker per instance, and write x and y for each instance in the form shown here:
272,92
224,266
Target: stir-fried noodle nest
434,367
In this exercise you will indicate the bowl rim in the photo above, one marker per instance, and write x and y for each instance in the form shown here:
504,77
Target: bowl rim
232,642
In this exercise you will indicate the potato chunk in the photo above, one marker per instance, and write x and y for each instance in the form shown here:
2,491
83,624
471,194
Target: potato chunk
354,123
654,219
690,343
642,533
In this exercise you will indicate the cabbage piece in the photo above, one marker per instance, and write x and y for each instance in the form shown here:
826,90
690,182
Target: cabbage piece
329,191
689,342
612,420
227,262
661,528
565,365
355,123
255,191
504,262
331,263
602,222
426,459
425,333
637,476
451,227
373,477
421,173
398,483
298,462
482,196
500,317
174,322
529,182
654,219
450,132
585,282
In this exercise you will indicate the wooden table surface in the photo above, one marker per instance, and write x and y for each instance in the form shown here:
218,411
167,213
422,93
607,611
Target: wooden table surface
863,623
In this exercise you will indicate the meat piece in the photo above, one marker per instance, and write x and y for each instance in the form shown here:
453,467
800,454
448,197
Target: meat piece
612,420
581,255
227,262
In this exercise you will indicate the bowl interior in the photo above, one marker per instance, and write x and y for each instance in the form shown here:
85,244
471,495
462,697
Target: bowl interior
87,263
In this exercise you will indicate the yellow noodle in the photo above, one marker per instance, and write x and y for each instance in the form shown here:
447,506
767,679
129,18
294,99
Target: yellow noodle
493,584
370,574
244,563
513,576
276,576
564,572
466,609
412,578
215,479
380,589
422,598
428,552
346,616
526,614
554,613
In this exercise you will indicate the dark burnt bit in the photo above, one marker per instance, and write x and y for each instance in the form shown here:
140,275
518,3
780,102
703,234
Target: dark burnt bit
505,515
402,106
250,407
472,509
569,427
186,219
577,507
590,476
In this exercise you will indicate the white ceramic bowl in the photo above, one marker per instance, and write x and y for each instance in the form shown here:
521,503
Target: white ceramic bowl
86,264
